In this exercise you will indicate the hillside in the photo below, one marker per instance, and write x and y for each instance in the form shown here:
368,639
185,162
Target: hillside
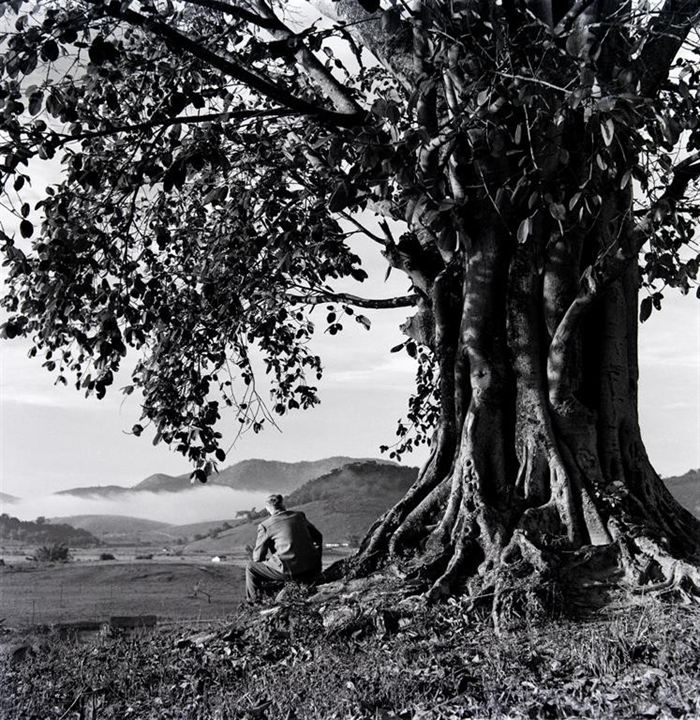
43,532
255,474
342,504
118,528
199,528
686,489
160,482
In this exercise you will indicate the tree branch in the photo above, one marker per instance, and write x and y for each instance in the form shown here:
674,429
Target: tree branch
234,11
666,36
180,119
266,87
394,51
315,69
372,303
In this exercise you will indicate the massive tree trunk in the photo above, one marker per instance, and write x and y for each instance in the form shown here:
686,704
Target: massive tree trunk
538,477
523,247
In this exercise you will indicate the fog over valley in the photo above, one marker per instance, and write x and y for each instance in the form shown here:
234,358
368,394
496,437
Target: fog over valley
200,503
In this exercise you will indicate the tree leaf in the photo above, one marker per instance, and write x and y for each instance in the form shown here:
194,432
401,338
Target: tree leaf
26,228
524,230
35,101
49,50
645,309
557,211
607,128
365,321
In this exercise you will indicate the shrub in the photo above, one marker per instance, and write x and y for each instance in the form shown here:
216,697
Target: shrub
58,552
107,556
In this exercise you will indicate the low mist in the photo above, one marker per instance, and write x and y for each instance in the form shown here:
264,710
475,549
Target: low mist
177,508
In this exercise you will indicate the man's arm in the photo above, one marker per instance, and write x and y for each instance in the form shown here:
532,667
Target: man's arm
261,545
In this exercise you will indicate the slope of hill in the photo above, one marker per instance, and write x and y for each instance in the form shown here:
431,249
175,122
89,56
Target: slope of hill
190,530
277,476
342,504
118,529
686,489
43,532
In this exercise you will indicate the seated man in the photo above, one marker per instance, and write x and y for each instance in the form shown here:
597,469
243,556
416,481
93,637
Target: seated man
288,547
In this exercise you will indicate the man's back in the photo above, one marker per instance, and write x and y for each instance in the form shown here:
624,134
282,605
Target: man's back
290,538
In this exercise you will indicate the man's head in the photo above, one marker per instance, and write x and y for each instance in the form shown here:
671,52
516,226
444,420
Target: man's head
274,503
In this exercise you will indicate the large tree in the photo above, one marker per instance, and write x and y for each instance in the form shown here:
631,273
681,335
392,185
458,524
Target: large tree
530,166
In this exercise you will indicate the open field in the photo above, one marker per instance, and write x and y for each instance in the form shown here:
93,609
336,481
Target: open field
88,589
93,591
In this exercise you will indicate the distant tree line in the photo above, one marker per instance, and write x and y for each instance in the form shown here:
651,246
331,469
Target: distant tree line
39,531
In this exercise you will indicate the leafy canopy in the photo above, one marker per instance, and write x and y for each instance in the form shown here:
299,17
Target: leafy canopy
208,151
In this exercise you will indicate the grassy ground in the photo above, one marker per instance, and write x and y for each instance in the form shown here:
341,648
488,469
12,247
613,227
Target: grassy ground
323,661
33,594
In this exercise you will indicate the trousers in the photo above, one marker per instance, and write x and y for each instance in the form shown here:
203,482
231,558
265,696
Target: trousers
260,579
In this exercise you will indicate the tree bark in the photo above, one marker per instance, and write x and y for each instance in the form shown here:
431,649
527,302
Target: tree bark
538,485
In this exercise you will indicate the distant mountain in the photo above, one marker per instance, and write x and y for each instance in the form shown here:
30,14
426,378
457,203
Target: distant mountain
686,489
6,499
261,475
342,504
95,491
119,529
161,482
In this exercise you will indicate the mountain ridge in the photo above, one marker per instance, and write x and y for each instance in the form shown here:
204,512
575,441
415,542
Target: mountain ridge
253,474
258,474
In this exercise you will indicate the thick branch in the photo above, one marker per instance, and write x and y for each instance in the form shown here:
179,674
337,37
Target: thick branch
393,50
317,71
609,267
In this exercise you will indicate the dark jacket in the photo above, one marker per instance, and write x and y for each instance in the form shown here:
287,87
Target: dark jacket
288,542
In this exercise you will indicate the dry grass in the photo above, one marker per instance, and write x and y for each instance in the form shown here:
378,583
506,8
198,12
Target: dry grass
428,664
